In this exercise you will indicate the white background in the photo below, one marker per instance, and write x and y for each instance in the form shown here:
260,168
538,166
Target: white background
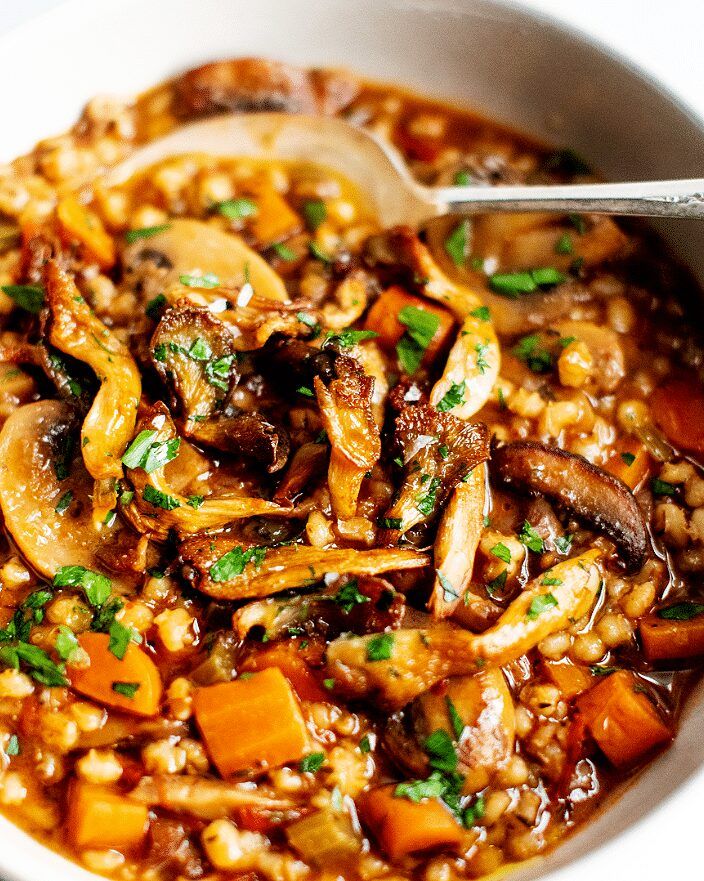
664,36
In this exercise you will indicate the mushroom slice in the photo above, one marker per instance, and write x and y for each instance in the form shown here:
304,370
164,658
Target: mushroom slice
158,507
248,84
346,412
205,798
223,569
476,711
193,248
75,330
438,451
361,604
195,356
37,471
583,489
192,352
349,301
413,661
307,463
456,543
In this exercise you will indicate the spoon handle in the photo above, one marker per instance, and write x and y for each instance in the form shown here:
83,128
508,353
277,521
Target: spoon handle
667,198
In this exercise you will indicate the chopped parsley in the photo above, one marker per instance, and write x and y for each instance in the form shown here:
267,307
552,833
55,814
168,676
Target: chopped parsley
425,503
462,178
318,253
482,349
457,243
540,604
455,719
13,746
200,350
681,611
474,812
481,313
232,564
95,586
530,351
155,307
390,522
453,397
530,538
513,284
311,763
237,209
327,683
435,786
578,222
348,596
502,552
380,647
549,581
159,499
27,296
200,281
348,338
305,391
218,372
195,501
144,452
64,454
497,584
364,745
441,751
563,544
121,637
421,326
314,213
662,487
126,689
64,502
36,661
284,252
628,458
146,232
564,244
66,642
449,594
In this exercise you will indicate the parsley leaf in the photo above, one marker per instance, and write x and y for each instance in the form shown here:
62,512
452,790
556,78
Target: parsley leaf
502,552
232,564
457,243
628,459
348,338
155,307
159,499
529,350
390,522
27,296
120,638
146,232
195,501
311,763
365,745
64,502
95,586
441,751
200,281
662,487
284,252
449,594
681,611
421,326
348,596
315,213
540,604
66,642
452,397
513,284
126,689
455,719
530,538
426,503
481,312
563,544
380,647
237,209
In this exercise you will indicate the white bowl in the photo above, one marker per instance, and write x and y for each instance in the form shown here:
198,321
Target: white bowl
515,65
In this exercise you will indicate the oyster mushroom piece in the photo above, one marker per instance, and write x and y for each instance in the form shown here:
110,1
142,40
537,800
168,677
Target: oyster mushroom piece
476,711
158,507
191,247
248,84
413,660
585,490
226,569
438,452
37,471
75,331
194,354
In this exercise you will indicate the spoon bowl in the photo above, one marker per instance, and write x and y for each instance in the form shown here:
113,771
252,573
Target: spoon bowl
380,171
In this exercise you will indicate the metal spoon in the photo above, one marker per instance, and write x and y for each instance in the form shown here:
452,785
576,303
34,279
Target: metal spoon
380,170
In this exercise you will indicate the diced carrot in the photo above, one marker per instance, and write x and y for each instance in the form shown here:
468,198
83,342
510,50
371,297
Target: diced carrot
288,659
631,462
98,817
621,719
110,681
251,722
664,640
383,319
678,408
570,678
403,827
426,149
79,222
275,219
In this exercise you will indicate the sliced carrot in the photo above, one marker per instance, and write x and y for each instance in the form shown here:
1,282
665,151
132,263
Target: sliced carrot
669,640
110,681
251,722
288,659
383,319
84,225
678,408
631,462
621,719
570,678
402,827
275,219
98,817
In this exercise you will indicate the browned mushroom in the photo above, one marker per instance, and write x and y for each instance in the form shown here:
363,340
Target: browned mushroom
247,84
438,451
585,490
193,352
